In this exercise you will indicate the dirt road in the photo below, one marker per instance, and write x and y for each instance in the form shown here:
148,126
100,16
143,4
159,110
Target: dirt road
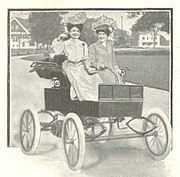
122,158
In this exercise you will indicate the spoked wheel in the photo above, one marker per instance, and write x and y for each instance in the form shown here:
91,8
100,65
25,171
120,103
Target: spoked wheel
73,141
159,145
29,132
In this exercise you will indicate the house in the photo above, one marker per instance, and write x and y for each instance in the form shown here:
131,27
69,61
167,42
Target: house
20,35
146,39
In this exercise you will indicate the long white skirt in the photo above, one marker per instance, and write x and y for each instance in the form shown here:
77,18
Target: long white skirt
83,85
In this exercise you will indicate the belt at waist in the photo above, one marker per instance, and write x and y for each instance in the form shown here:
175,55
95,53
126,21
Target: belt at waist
76,62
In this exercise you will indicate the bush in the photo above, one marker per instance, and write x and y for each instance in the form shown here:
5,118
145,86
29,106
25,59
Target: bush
141,51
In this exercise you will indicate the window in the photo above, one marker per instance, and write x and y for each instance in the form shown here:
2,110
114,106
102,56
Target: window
14,39
24,36
23,44
31,44
17,27
143,38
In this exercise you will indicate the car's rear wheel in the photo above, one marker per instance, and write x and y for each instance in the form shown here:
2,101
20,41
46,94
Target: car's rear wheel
29,132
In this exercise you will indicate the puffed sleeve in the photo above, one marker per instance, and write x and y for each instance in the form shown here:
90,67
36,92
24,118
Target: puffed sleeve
58,46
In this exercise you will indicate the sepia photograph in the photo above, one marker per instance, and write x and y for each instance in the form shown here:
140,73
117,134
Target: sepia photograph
90,90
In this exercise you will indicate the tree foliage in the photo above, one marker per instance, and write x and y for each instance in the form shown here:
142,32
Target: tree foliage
88,35
150,20
44,26
121,38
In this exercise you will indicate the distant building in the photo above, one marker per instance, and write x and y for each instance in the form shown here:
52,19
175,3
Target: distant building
147,40
20,35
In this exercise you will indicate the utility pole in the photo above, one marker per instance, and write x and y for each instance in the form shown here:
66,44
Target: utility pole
121,22
155,28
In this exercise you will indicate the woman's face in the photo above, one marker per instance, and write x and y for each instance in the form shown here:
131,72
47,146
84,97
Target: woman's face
74,32
102,36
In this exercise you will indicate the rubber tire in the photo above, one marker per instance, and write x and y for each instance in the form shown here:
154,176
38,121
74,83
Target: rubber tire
167,126
36,134
81,140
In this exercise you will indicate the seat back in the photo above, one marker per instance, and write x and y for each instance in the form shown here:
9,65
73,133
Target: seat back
48,69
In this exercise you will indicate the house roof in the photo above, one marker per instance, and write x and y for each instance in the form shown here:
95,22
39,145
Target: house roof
22,22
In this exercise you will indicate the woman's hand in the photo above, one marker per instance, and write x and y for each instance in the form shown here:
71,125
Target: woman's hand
121,72
62,37
89,68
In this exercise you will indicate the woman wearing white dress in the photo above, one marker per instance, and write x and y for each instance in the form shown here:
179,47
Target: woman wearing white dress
84,86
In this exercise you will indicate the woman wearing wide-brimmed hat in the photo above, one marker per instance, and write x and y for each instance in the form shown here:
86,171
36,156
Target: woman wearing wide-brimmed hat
84,86
101,54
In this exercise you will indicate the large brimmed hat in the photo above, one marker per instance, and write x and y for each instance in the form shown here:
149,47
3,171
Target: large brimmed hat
104,23
102,27
105,28
75,18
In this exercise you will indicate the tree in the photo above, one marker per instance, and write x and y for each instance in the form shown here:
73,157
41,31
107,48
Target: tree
44,26
151,21
164,42
88,35
121,38
134,39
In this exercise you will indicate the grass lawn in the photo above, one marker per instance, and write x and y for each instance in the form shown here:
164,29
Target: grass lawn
149,70
148,67
17,52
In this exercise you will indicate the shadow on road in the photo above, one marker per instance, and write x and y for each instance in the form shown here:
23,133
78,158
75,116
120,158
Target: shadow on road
109,160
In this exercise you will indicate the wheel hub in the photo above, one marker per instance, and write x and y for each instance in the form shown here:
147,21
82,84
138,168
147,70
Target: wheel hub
155,133
27,130
72,141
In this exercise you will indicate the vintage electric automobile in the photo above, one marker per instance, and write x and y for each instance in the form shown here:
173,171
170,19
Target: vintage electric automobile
77,122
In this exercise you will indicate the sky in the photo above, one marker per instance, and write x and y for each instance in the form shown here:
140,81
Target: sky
119,16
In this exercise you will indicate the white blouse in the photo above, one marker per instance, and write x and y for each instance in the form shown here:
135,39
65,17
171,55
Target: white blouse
74,49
